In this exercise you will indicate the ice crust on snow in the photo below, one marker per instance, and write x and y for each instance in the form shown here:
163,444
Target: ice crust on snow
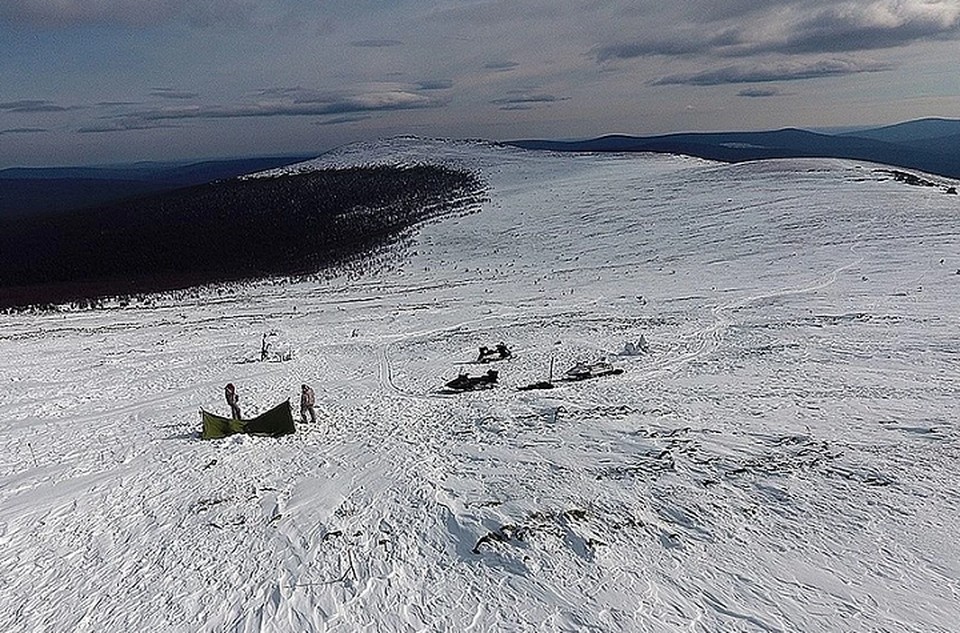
782,458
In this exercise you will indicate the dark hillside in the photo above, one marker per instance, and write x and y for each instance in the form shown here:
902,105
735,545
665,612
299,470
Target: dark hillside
228,230
911,131
934,143
23,196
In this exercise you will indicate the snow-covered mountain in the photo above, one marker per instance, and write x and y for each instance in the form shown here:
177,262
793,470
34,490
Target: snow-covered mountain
783,457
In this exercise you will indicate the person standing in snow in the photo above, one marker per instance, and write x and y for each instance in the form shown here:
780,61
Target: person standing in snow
264,349
307,400
230,393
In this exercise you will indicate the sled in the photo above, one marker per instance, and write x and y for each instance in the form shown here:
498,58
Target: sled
543,384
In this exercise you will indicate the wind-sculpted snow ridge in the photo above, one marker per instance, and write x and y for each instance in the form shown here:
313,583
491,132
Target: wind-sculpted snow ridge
782,457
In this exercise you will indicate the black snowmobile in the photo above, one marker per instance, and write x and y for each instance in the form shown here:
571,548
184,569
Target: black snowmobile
464,382
493,354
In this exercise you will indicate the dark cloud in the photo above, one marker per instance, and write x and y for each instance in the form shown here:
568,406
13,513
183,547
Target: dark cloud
281,102
376,43
759,92
739,74
517,106
524,100
741,28
341,120
680,45
648,48
23,130
170,93
25,106
501,66
528,100
124,125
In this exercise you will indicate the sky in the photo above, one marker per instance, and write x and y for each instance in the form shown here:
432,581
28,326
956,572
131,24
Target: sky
85,82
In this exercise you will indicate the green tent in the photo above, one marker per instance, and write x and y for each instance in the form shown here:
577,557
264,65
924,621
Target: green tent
276,422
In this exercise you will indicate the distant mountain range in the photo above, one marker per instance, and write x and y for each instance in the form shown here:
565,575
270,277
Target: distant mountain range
930,145
33,189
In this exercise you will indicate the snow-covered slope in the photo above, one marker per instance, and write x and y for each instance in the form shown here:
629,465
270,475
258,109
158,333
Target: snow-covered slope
784,458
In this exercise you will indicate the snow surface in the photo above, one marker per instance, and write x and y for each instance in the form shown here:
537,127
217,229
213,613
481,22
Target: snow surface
785,457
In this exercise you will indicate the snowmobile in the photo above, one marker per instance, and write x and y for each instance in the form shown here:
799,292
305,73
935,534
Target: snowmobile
582,371
464,382
490,355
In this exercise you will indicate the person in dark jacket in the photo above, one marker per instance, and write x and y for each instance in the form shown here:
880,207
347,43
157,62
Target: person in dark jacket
307,400
230,393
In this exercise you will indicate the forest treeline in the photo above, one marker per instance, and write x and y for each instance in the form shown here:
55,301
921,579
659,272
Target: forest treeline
231,230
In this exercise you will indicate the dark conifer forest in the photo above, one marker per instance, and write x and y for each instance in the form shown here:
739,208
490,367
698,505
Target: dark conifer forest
230,230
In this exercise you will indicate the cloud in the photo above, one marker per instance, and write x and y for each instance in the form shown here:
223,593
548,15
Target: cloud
299,101
759,92
25,106
501,66
276,102
22,130
170,93
526,101
681,44
857,26
760,73
371,101
376,43
739,29
125,125
128,13
342,119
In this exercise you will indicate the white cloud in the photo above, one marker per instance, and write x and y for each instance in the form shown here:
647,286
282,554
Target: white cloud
783,71
275,102
813,26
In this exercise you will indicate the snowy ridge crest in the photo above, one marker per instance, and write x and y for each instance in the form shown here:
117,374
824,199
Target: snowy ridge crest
398,151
